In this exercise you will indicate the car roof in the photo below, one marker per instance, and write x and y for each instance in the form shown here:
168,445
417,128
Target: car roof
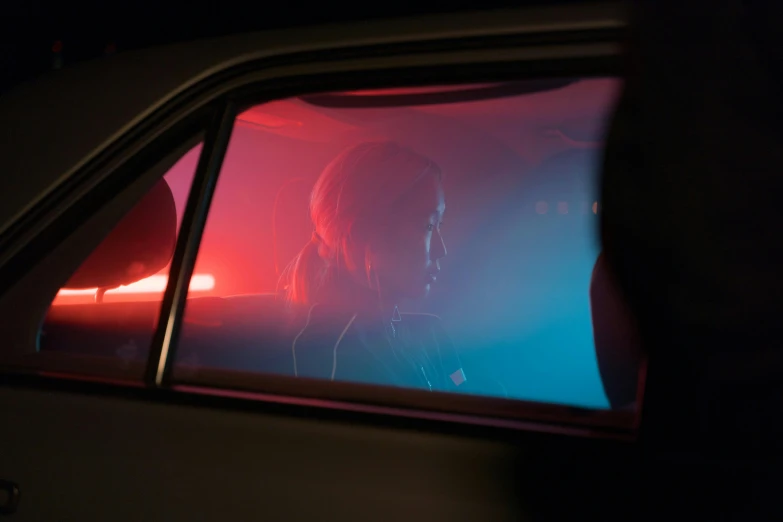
64,118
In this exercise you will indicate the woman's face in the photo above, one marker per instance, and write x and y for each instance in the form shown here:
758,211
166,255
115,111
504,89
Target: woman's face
406,256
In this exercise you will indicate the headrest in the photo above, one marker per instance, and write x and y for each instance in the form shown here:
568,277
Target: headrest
617,344
139,246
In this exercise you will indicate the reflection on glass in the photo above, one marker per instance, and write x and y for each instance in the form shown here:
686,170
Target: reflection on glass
331,260
325,254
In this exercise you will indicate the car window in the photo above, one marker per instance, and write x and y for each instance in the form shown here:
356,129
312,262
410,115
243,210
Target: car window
434,240
109,306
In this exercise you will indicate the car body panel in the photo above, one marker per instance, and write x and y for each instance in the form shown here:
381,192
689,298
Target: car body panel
128,456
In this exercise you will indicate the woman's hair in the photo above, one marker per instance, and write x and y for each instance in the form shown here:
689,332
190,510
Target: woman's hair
356,190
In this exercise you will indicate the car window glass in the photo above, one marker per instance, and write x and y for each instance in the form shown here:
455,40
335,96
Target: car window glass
109,307
437,246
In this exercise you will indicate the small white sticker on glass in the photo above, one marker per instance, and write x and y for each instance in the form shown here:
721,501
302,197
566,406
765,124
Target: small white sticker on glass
458,377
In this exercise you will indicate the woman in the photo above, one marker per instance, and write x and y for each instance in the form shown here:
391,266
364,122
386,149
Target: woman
376,210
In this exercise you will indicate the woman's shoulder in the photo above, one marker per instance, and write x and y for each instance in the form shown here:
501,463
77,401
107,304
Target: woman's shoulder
425,326
423,321
319,320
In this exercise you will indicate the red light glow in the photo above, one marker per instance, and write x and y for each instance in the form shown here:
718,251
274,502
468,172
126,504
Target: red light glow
402,91
151,285
264,120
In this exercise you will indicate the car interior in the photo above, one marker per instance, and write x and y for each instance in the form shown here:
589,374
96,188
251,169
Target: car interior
521,290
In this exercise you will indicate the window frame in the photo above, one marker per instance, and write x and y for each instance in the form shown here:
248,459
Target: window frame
533,52
259,86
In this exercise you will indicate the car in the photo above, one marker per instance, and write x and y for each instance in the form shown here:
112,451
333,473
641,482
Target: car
145,373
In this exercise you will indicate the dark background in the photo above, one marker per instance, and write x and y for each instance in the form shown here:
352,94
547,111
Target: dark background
29,29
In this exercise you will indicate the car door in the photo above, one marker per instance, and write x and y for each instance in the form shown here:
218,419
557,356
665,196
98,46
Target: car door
133,432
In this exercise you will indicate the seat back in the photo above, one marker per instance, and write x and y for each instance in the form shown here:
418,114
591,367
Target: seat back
617,344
